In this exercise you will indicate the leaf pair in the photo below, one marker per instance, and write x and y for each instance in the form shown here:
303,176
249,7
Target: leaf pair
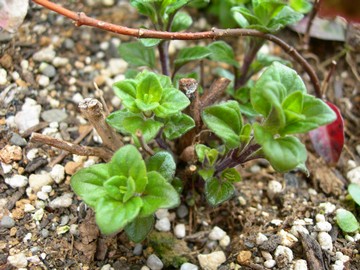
126,192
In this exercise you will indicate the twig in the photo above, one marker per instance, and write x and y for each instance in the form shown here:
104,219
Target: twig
63,154
314,11
190,88
35,128
325,83
143,144
216,90
93,111
101,152
100,94
82,19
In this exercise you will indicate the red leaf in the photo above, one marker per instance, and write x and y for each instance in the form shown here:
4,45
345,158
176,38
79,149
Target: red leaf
328,140
348,9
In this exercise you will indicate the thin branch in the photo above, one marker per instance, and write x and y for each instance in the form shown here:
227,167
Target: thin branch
82,19
216,90
325,83
163,48
143,144
101,152
314,11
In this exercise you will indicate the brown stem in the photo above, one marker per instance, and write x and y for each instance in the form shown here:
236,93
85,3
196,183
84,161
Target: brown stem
143,144
314,11
101,152
92,109
82,19
216,90
164,57
190,88
325,83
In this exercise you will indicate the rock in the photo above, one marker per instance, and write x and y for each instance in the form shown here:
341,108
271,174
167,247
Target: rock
16,139
338,265
217,233
10,153
138,249
274,188
32,154
145,268
225,241
107,267
28,208
243,256
287,239
117,66
72,167
188,266
19,260
43,80
42,195
77,98
37,181
261,238
17,181
44,55
163,225
69,44
60,61
325,241
323,226
47,70
182,211
284,251
3,77
46,189
58,173
54,115
63,201
269,263
28,116
328,207
162,213
7,222
354,175
108,3
266,255
180,230
296,229
300,265
154,263
7,168
319,218
211,261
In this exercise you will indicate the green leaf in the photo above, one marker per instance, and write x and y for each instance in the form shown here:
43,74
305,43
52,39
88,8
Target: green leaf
113,186
170,6
264,60
182,21
217,191
112,215
159,193
231,175
128,162
346,221
315,113
302,6
245,135
136,54
187,55
88,183
244,17
284,153
201,151
206,155
146,8
225,121
150,42
222,52
286,16
149,128
177,125
172,102
126,91
207,173
163,163
149,89
354,191
139,228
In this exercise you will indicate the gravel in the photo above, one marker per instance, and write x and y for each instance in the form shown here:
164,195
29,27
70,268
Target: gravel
180,230
17,181
44,55
16,139
54,115
225,241
37,181
270,263
188,266
354,175
3,77
300,265
28,116
284,251
19,260
138,249
163,225
261,238
154,263
58,173
325,241
7,222
211,261
217,233
182,211
63,201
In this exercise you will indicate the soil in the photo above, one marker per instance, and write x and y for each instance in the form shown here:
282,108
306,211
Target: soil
68,238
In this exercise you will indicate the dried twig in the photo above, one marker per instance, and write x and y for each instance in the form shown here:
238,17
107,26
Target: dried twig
82,19
216,90
92,109
101,152
325,83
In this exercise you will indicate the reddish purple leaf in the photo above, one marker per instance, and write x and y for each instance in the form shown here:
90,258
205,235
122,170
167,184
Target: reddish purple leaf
348,9
328,140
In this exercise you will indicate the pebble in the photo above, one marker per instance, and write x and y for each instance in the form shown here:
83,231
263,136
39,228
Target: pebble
69,43
242,200
328,207
28,208
274,187
74,229
357,237
10,153
106,267
58,173
261,238
162,213
163,225
296,229
44,55
29,115
325,241
7,168
338,265
266,255
37,181
77,98
154,263
138,249
319,218
180,230
46,189
16,139
145,268
211,261
340,256
32,154
17,181
323,226
182,211
287,239
108,3
225,241
285,251
117,66
19,260
349,238
54,115
217,233
300,265
48,70
3,76
188,266
42,195
60,61
7,222
43,80
64,200
354,175
269,263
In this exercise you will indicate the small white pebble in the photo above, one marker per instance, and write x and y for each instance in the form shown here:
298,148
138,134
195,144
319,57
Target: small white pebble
212,260
340,256
28,208
217,233
319,218
163,225
46,189
338,265
27,237
328,207
145,268
287,239
325,241
33,153
242,201
276,222
42,195
296,229
357,237
188,266
58,173
38,215
323,226
266,255
269,263
274,187
312,191
162,213
6,167
309,221
180,230
300,222
261,238
300,265
282,250
225,241
349,238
